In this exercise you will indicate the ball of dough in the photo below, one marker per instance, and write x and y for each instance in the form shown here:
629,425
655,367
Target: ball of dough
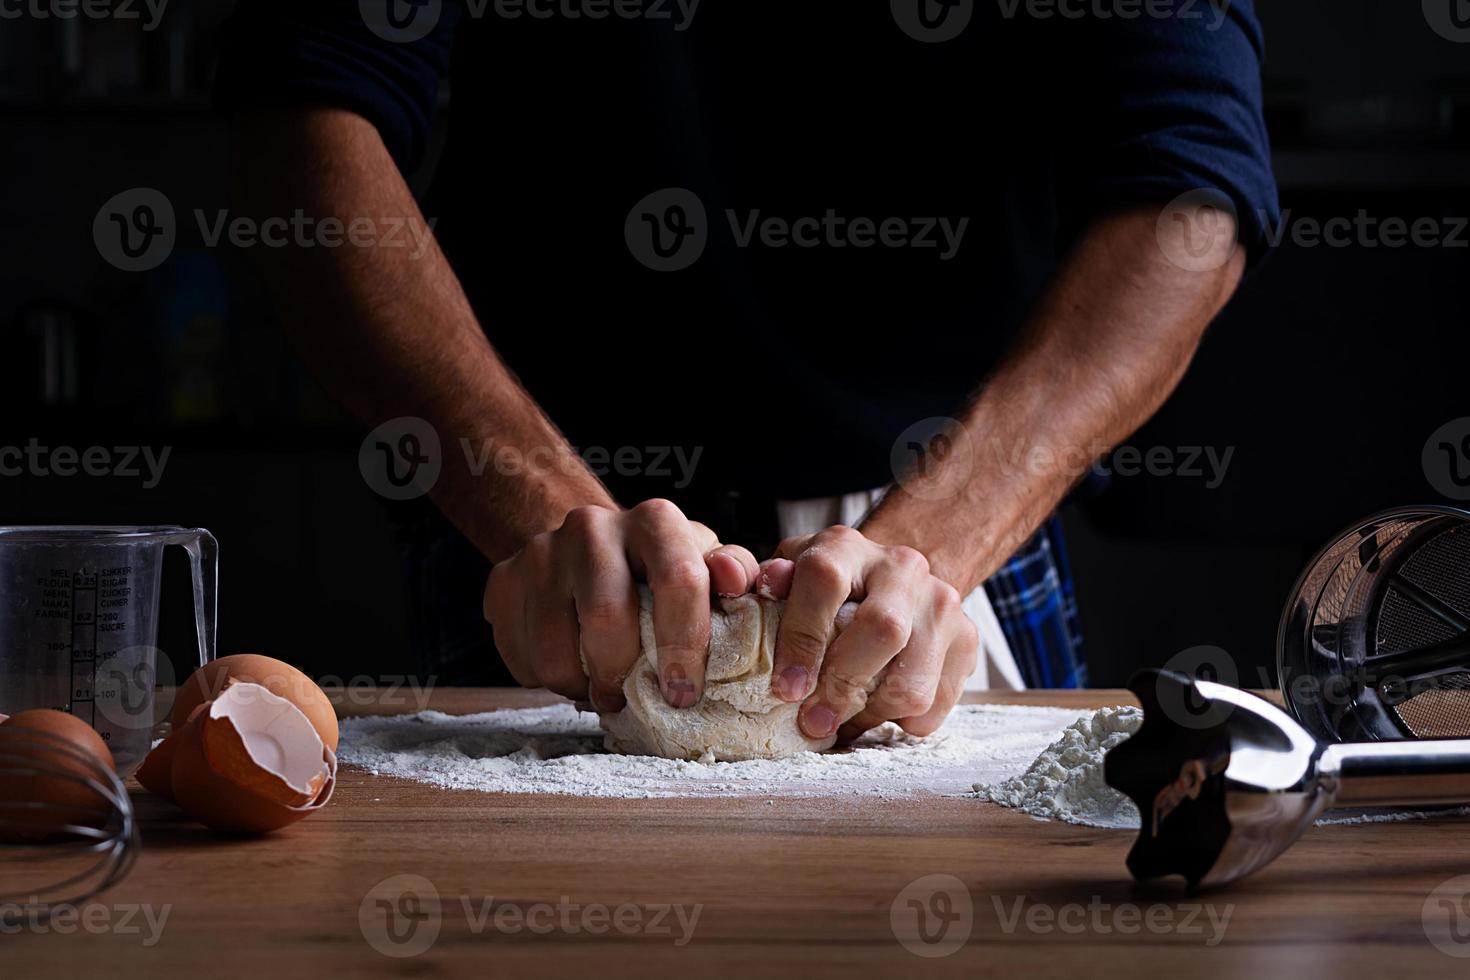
738,717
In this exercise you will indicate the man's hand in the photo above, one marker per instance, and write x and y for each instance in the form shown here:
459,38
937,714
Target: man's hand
904,657
569,596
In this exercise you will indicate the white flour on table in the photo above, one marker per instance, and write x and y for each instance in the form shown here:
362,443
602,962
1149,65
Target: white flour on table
557,749
1046,762
1066,780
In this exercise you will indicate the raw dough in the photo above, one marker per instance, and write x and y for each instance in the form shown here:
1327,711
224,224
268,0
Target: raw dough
738,718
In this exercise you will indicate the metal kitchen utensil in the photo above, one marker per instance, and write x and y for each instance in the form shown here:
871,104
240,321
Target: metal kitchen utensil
1224,781
1374,643
79,624
57,849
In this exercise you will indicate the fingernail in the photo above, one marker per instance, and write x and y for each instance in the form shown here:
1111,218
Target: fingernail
608,702
679,691
738,570
818,721
763,585
791,684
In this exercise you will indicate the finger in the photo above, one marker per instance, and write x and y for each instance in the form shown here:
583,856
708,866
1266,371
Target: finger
551,625
504,609
821,582
732,570
704,538
959,664
775,578
858,725
879,630
590,552
793,547
909,684
661,545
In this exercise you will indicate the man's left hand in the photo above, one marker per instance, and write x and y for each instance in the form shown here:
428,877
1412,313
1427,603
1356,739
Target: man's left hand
904,657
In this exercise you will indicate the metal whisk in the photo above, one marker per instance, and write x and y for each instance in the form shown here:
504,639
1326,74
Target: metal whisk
67,830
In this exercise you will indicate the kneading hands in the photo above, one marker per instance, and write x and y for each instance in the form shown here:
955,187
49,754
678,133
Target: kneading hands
565,613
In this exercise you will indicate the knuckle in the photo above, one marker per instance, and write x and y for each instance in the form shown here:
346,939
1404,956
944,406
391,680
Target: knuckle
802,644
679,575
605,614
679,655
839,534
822,570
585,521
887,627
905,697
842,688
947,599
657,510
792,546
909,559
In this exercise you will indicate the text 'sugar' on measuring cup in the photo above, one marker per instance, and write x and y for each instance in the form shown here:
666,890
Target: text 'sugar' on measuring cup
79,624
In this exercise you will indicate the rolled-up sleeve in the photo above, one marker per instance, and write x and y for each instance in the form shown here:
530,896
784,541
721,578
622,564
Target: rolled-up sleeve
326,52
1172,106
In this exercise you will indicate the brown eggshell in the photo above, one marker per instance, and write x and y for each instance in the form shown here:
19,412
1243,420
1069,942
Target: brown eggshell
226,748
157,771
281,679
63,746
223,804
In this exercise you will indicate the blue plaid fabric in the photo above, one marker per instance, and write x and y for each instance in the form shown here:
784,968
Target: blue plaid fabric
1037,608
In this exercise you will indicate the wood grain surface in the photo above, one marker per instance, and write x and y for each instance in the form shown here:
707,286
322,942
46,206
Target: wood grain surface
561,886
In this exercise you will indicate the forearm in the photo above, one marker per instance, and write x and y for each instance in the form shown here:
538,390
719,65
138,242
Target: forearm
1104,348
388,330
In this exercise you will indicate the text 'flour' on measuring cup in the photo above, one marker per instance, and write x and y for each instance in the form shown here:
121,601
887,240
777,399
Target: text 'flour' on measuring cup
79,625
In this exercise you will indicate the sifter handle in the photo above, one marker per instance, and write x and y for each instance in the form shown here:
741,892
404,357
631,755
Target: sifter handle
1408,773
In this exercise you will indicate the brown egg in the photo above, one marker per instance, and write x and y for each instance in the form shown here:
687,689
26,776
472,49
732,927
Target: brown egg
43,756
251,762
281,679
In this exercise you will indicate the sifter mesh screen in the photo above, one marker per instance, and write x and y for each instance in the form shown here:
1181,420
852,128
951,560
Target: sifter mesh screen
1441,712
1440,568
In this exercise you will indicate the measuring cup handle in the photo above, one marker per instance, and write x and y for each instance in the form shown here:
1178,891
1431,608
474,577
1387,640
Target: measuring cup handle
203,552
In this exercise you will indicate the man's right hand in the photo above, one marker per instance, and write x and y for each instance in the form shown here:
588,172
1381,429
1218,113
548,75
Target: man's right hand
568,596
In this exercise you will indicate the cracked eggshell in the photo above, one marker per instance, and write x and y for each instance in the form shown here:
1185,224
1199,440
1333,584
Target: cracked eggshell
281,679
157,771
251,762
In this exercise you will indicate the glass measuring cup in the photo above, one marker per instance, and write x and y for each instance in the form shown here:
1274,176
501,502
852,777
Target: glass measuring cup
79,624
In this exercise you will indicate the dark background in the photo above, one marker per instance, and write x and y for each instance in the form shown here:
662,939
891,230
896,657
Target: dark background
1325,376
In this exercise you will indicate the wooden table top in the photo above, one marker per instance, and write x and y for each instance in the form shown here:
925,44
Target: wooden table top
560,886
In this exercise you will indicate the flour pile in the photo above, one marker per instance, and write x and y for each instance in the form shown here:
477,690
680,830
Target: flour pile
1066,780
557,749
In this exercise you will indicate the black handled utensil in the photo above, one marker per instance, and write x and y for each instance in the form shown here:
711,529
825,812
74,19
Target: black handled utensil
1225,781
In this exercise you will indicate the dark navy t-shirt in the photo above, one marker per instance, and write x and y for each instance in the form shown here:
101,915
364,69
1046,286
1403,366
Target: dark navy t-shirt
879,209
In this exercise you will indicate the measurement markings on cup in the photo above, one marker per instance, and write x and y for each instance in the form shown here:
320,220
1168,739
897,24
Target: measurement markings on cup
84,645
